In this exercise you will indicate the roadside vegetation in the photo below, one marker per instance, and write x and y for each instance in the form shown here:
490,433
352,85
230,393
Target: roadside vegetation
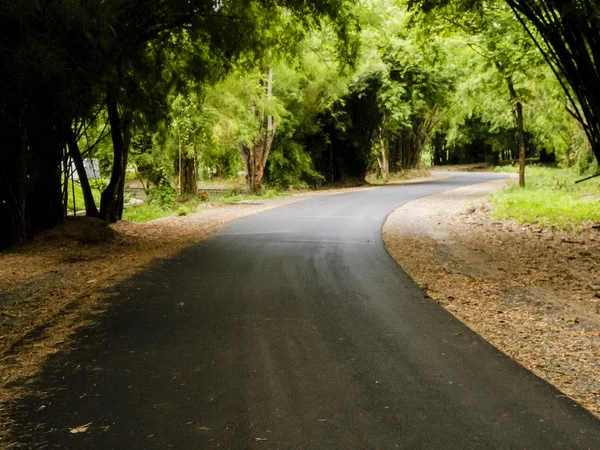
75,197
315,93
183,206
552,198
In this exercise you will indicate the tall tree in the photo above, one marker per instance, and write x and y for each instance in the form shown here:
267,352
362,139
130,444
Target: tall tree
255,155
568,35
61,59
495,34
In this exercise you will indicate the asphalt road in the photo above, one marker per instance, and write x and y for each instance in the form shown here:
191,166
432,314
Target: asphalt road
293,329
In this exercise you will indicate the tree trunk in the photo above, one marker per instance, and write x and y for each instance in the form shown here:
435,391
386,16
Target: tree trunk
90,204
126,122
521,134
255,156
43,205
256,172
382,158
111,207
32,149
518,115
440,155
189,183
14,226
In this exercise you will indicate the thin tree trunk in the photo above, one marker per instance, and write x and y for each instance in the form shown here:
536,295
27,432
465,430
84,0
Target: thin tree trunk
110,210
271,125
189,183
179,183
126,122
521,134
382,158
518,115
91,210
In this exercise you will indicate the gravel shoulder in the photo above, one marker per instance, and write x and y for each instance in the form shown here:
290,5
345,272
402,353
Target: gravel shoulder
533,293
55,284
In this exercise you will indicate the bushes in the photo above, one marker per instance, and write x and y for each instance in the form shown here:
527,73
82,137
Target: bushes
289,166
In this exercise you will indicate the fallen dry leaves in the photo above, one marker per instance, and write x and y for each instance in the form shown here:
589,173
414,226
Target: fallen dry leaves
531,292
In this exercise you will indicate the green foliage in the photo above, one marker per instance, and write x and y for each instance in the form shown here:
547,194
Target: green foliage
353,82
155,210
551,198
62,61
289,166
492,55
163,196
182,211
565,33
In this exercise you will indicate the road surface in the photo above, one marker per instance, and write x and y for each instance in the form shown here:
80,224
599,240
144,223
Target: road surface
293,329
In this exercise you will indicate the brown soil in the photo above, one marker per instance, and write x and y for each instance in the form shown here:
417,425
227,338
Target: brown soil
52,285
531,292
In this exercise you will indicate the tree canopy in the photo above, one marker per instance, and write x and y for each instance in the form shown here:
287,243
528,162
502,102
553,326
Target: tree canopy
285,93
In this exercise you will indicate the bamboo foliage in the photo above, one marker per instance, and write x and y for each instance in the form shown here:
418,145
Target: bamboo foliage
568,34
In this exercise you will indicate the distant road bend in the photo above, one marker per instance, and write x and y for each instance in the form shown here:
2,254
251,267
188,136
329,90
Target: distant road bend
294,329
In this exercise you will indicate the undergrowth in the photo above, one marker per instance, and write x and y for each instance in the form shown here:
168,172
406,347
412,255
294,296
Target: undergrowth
146,212
161,206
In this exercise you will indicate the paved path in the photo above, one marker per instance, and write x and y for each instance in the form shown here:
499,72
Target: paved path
294,329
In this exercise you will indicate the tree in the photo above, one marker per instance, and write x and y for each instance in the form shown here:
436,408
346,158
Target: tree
568,35
495,34
62,59
255,155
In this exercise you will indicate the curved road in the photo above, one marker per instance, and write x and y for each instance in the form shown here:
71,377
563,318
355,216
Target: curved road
294,329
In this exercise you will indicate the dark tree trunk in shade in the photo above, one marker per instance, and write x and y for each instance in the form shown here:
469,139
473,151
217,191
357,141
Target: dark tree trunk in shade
91,210
189,178
111,204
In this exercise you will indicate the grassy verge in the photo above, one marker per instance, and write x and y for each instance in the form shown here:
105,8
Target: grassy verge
147,212
550,198
157,210
79,200
183,207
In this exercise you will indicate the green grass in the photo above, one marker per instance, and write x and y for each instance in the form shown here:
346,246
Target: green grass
79,201
147,212
154,210
550,198
183,207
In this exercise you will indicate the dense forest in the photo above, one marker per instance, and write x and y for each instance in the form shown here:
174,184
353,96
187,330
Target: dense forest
286,93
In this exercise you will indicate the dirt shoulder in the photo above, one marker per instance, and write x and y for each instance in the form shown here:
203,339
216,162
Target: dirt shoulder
531,292
54,284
